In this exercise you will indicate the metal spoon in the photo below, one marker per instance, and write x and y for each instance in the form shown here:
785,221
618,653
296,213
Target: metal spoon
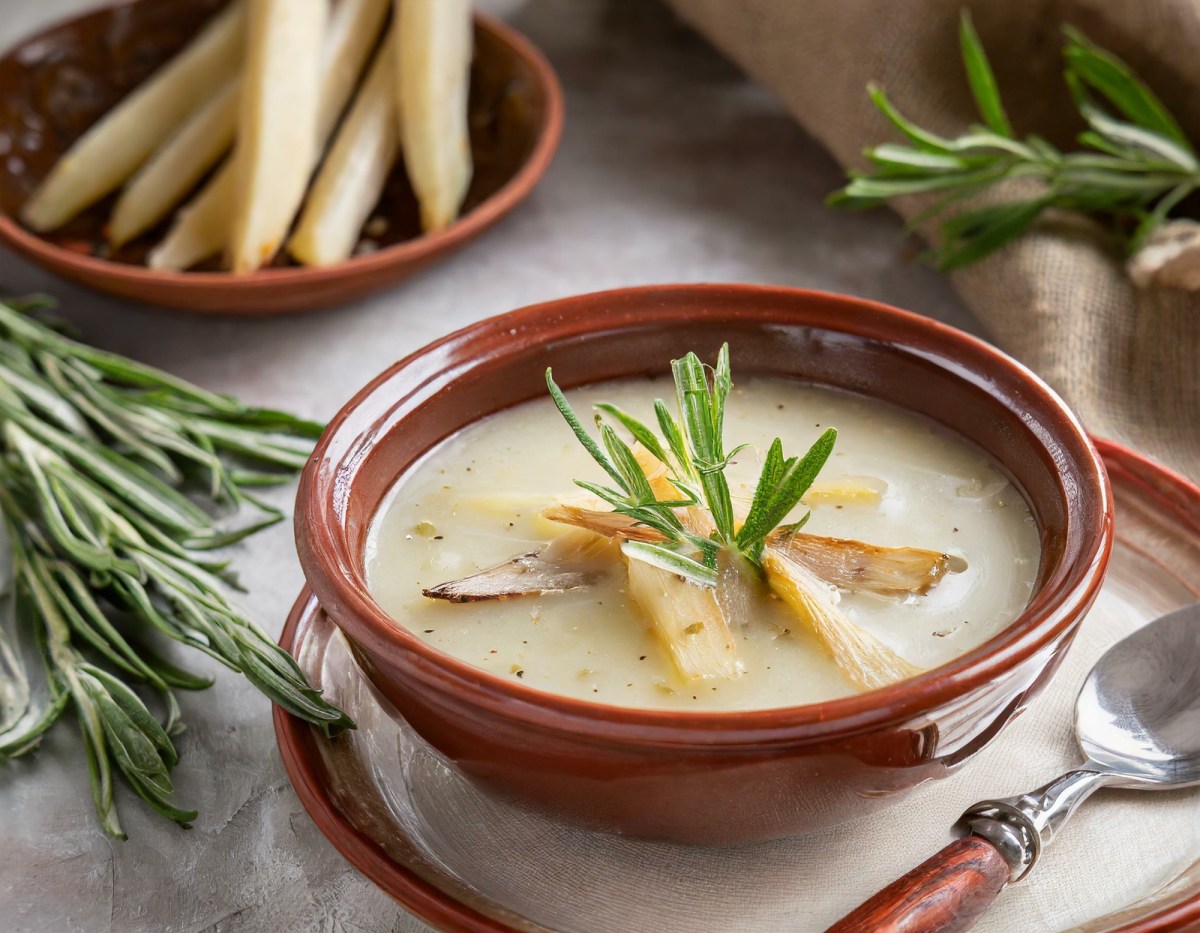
1137,720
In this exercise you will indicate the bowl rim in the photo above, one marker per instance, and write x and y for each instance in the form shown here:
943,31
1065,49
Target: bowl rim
409,252
324,553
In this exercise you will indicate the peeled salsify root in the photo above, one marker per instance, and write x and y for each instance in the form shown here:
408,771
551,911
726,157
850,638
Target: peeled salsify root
849,490
865,660
433,46
277,125
687,622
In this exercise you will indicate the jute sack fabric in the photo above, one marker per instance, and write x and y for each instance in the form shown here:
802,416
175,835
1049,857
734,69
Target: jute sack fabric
1059,300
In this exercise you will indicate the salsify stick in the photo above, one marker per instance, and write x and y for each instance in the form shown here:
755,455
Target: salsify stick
110,475
351,178
202,227
167,176
110,151
433,43
277,125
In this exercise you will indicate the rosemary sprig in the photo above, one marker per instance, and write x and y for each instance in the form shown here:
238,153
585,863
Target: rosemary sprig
1137,164
110,473
691,448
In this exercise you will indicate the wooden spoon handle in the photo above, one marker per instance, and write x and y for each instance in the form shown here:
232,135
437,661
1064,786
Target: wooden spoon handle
944,894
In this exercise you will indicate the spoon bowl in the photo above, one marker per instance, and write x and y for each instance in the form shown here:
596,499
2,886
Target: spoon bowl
1138,715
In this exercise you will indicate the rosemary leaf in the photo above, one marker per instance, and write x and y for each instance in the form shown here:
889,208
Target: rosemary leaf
664,558
1108,75
981,78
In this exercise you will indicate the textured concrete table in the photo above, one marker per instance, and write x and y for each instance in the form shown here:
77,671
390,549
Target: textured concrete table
673,168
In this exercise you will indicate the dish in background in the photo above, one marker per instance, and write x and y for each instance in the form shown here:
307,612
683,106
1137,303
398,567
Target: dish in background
57,83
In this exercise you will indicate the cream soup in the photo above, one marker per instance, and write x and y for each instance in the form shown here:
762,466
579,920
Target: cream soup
894,479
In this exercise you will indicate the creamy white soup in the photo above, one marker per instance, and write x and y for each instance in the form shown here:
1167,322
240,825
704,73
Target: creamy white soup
893,480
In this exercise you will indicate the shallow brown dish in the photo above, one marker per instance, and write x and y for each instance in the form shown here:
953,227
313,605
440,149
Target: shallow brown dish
703,776
463,861
54,85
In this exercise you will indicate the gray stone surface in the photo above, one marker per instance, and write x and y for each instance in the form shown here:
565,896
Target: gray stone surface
672,168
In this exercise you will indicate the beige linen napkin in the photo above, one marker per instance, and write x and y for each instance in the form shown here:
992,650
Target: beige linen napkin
1059,300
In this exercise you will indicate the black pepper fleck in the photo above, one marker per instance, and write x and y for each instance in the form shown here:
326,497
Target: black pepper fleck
442,537
428,631
642,658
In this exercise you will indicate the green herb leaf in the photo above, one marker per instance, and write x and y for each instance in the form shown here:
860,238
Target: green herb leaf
1109,76
642,434
981,77
921,138
972,234
568,413
665,559
787,484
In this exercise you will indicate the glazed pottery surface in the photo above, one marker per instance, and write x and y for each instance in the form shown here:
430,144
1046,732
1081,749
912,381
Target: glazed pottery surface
694,776
55,85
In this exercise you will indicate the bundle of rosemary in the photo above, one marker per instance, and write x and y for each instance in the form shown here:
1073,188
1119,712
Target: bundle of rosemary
1136,166
695,466
112,475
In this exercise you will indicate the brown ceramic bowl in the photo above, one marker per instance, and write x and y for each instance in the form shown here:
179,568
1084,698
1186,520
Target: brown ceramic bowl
706,776
54,85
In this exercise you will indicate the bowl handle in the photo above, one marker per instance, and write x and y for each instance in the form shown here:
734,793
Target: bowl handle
944,894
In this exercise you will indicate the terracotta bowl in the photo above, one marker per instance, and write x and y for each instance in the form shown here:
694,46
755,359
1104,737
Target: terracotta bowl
54,85
723,777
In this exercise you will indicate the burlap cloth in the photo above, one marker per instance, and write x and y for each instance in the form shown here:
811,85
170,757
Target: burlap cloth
1128,360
